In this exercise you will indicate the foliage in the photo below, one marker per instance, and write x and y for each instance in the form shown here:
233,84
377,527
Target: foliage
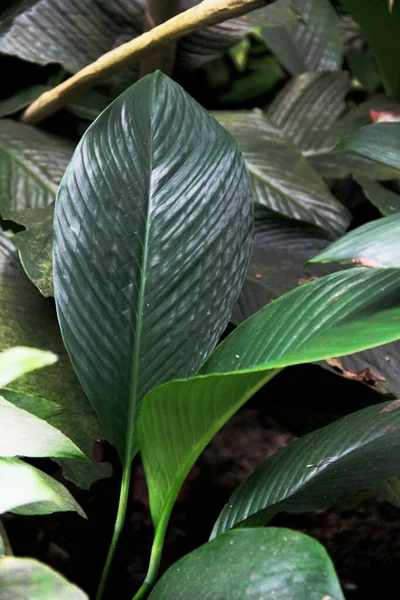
153,222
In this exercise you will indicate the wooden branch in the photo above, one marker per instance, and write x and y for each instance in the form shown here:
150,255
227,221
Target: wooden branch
208,12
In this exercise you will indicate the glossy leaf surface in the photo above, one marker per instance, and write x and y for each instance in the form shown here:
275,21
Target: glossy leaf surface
310,44
278,263
280,563
338,314
28,579
380,142
321,468
210,42
307,108
47,33
344,162
151,246
281,178
375,244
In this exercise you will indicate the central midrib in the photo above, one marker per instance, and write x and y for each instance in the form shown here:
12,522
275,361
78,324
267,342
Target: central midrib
133,384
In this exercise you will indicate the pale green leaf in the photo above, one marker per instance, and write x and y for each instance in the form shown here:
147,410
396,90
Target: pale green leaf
23,434
28,579
30,491
18,361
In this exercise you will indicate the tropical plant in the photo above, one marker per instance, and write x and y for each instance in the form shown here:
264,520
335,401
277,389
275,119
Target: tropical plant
164,223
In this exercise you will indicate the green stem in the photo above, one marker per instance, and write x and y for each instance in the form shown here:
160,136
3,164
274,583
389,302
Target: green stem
119,523
155,558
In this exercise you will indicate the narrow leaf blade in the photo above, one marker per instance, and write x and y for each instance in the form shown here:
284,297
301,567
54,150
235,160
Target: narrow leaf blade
336,315
380,142
321,468
375,244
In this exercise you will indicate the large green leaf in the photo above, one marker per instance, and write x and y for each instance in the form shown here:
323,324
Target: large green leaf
26,318
338,314
23,434
151,246
307,108
380,25
279,263
312,43
385,200
379,142
32,163
319,469
177,421
18,361
375,244
31,492
281,178
28,579
279,563
70,32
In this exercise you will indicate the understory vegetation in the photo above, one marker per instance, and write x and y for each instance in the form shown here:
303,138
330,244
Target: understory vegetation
196,198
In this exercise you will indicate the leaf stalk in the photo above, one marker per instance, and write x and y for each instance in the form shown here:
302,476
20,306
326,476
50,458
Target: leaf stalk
119,523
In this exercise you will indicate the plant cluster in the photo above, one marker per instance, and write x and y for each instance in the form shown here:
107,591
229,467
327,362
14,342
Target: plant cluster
164,223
